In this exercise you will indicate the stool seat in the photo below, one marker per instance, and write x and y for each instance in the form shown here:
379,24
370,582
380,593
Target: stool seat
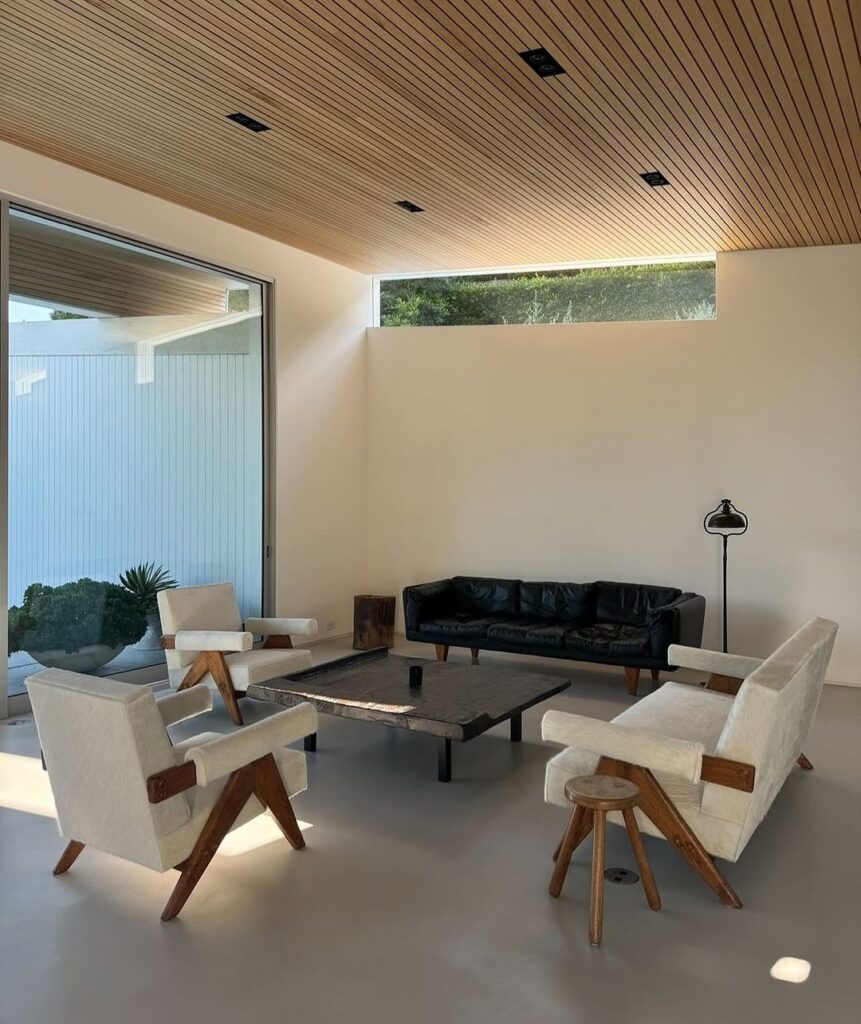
593,796
602,792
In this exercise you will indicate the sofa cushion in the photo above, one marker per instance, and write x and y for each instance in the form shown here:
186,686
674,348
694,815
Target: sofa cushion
682,710
477,596
529,632
571,602
629,602
458,626
610,639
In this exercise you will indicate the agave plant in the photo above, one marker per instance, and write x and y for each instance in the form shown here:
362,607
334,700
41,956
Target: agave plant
145,581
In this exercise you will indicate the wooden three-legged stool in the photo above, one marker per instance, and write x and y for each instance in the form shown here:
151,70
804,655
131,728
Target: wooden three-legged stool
593,796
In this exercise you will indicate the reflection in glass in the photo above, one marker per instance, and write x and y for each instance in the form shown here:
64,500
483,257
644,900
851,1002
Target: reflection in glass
135,439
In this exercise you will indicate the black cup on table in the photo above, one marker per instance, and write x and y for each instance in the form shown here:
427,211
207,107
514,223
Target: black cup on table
415,677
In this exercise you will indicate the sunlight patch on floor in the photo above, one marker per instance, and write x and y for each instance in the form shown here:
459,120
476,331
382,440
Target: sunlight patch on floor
24,786
260,831
790,968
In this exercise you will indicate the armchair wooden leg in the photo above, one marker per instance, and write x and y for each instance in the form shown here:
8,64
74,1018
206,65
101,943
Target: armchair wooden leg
632,675
579,826
214,664
269,790
658,807
233,798
805,763
196,671
441,652
69,856
221,674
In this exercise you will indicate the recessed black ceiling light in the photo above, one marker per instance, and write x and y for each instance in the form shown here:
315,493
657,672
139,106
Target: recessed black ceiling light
405,204
248,122
542,63
654,178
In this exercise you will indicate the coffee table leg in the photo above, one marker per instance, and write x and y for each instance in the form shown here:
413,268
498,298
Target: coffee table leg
516,728
443,756
311,741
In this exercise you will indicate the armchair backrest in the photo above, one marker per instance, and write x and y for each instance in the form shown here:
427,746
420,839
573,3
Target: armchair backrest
102,739
769,722
212,606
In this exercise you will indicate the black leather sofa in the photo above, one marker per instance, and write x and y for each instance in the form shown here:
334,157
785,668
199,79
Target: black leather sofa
627,624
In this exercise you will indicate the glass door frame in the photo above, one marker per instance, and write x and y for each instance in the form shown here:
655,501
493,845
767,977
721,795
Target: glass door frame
9,203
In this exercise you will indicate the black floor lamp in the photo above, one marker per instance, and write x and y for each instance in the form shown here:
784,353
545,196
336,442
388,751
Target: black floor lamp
725,521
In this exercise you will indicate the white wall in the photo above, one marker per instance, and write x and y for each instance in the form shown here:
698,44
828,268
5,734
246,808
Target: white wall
321,313
576,452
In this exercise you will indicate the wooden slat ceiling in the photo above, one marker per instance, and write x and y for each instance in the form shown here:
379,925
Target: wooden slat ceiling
49,264
749,107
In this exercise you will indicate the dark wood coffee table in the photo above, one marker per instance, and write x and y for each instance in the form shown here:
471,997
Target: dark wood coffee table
454,702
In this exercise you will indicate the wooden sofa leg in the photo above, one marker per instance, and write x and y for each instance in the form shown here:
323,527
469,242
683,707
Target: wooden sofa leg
805,763
69,856
658,807
656,675
233,798
441,652
632,675
474,652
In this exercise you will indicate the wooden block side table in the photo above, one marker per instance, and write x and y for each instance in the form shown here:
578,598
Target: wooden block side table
593,796
373,622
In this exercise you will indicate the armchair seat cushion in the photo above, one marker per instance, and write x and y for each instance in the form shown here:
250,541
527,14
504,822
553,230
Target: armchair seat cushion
177,845
257,666
529,632
459,625
611,639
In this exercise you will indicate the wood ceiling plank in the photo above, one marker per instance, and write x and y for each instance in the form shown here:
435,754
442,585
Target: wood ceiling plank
682,152
751,108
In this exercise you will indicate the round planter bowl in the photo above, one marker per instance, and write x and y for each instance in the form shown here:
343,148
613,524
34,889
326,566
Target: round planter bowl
87,659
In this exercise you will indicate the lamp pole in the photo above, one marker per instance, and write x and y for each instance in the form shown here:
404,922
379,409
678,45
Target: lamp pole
725,521
725,539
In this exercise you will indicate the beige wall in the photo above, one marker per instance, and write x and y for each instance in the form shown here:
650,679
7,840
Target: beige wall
565,452
577,452
321,313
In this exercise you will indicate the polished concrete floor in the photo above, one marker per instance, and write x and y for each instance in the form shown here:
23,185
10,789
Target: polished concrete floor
420,902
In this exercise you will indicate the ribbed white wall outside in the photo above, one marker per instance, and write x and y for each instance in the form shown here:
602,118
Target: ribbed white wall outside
106,473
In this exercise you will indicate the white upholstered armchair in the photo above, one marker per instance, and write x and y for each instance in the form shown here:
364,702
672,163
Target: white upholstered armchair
709,761
122,787
206,642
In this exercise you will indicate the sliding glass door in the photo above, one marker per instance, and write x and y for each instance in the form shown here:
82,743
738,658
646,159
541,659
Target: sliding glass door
135,443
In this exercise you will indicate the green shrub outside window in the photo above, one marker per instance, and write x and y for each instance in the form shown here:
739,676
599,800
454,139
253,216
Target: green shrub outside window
659,291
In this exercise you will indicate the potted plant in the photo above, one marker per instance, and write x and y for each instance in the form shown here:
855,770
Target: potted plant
145,581
78,626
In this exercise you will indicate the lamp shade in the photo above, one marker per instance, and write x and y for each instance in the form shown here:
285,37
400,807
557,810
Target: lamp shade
726,518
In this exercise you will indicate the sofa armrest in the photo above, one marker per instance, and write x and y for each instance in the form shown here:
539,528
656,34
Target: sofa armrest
421,600
713,662
643,747
281,627
210,640
679,622
183,704
217,758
